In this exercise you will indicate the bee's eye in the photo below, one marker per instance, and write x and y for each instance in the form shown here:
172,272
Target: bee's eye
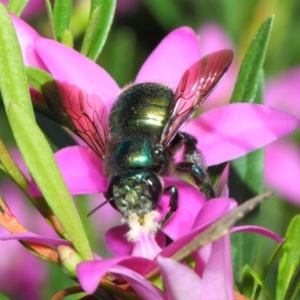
155,187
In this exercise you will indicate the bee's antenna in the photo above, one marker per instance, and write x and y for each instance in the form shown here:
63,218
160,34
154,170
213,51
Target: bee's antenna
102,204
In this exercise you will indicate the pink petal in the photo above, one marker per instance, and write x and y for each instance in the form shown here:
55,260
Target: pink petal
211,211
26,36
146,246
190,202
283,92
260,230
180,281
144,288
218,276
167,63
82,170
34,8
213,38
118,245
66,64
91,272
282,169
32,237
116,241
233,130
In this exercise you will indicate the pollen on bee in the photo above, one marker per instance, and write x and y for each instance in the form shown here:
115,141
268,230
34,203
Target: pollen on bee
146,224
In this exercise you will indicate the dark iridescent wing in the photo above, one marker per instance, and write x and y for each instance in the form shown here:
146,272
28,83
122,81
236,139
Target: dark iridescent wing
84,114
197,82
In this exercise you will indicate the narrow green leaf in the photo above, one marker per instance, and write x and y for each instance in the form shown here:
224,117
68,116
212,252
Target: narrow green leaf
30,140
17,6
290,258
247,281
61,16
3,297
245,181
266,269
94,4
247,82
294,286
50,19
67,38
37,77
13,79
101,28
89,33
42,166
11,169
260,282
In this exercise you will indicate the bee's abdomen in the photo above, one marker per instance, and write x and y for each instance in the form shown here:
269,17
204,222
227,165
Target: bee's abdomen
136,122
141,108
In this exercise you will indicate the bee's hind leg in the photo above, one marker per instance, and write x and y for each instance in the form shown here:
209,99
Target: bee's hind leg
173,204
192,163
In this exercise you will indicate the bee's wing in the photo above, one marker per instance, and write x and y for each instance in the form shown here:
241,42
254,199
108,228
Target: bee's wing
84,114
196,84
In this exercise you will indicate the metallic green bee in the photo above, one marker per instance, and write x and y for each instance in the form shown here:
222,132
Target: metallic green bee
143,137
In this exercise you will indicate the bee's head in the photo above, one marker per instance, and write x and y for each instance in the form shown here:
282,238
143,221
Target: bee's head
135,192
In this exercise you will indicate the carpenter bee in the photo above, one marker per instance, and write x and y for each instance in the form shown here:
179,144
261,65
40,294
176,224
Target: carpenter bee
142,137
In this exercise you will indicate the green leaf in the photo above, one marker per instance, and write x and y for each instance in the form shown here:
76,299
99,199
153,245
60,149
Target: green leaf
37,77
13,79
247,281
3,297
290,258
11,169
17,6
67,38
61,17
266,269
30,140
98,29
42,166
247,82
89,33
260,282
94,4
294,286
50,18
245,181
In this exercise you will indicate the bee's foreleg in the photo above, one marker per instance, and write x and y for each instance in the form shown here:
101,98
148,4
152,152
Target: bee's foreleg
173,204
192,163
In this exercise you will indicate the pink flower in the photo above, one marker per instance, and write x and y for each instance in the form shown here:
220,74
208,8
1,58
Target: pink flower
282,157
32,9
281,92
224,133
211,276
